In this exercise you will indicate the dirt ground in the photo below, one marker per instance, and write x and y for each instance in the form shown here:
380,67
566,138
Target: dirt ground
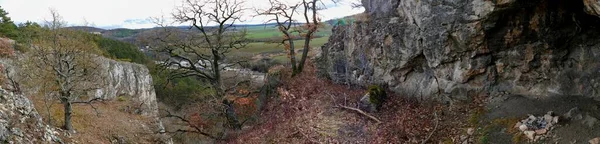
574,130
112,123
306,111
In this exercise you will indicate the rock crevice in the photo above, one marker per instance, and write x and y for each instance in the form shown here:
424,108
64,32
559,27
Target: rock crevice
451,50
129,80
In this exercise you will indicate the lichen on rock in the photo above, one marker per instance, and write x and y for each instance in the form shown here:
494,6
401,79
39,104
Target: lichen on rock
373,100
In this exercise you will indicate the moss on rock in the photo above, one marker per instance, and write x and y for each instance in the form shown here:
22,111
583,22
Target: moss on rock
377,96
373,99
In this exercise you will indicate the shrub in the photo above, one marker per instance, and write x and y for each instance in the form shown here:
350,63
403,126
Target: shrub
261,65
121,50
6,48
377,95
122,98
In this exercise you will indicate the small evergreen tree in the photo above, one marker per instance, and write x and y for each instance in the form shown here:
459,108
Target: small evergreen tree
7,26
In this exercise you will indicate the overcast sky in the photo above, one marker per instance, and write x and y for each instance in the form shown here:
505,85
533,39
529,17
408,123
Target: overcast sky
130,13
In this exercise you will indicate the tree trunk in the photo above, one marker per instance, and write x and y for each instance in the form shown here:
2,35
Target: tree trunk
68,112
217,74
305,52
293,56
48,105
232,118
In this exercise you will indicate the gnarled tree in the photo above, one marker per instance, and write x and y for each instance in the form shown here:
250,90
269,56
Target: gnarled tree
284,17
286,22
64,59
201,51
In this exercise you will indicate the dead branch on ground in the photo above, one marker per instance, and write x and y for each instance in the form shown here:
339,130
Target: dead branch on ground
434,128
360,112
305,136
197,129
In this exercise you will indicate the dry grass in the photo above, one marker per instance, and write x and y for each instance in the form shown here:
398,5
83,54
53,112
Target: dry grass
6,47
112,123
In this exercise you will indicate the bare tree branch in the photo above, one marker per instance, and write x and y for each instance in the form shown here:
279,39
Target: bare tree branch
359,112
90,103
197,129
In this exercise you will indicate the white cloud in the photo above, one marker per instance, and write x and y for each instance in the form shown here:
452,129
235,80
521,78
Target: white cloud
126,13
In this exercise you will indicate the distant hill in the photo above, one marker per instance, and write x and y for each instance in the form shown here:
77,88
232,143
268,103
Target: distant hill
86,29
121,33
256,32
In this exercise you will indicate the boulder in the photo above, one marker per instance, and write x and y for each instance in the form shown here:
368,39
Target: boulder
452,50
590,121
595,141
535,128
373,100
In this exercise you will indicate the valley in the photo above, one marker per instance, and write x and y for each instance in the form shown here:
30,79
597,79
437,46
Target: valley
302,71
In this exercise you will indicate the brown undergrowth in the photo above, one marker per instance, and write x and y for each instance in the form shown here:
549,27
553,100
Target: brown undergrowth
305,112
115,122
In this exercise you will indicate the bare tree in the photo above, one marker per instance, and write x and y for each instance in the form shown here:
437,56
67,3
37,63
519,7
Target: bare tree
202,50
64,60
287,25
284,17
201,55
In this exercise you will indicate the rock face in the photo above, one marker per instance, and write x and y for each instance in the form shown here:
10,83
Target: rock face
451,50
121,79
20,122
129,80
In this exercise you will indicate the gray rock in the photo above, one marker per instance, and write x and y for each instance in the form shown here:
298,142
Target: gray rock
366,105
129,79
592,7
122,79
20,122
590,121
17,132
574,113
447,50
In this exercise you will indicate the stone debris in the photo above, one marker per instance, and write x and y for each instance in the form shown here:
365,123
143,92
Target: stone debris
470,131
536,128
595,141
21,123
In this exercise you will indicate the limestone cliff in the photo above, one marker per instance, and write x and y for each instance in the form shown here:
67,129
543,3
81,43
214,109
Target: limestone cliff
453,49
20,122
129,80
122,79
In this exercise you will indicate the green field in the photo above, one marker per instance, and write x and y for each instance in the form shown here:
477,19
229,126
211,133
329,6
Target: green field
261,47
276,51
263,33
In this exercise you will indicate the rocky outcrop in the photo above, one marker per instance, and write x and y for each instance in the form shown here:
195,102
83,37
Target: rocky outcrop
129,80
451,50
20,123
121,79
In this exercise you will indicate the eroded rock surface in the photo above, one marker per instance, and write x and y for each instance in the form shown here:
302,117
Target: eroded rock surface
129,80
451,50
122,79
20,123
